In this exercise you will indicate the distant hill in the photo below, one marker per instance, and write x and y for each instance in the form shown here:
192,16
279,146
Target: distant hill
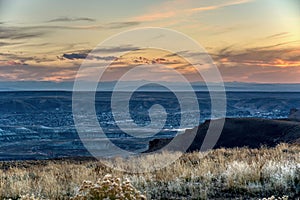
240,132
126,85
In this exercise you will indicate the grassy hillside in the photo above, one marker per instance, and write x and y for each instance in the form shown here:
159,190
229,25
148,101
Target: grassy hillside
219,174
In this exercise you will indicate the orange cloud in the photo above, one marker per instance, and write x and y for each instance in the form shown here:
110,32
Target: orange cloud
272,63
285,63
14,63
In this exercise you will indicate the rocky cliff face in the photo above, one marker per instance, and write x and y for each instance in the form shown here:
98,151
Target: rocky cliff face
240,132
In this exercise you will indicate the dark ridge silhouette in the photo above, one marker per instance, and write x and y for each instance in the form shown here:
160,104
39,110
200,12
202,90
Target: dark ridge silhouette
294,114
241,132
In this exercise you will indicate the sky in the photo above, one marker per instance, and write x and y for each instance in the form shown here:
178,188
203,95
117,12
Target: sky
248,40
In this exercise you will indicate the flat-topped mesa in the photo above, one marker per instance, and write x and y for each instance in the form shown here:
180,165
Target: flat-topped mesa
294,114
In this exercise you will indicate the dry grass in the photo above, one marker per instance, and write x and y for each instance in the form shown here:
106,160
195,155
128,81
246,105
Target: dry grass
224,173
109,187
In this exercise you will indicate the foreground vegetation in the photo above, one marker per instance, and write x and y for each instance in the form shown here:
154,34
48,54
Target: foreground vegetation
219,174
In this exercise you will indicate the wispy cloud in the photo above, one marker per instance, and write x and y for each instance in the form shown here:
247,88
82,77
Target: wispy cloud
278,35
173,9
73,56
263,57
23,32
20,58
155,16
15,63
82,56
37,73
18,33
219,6
68,19
116,25
2,44
107,50
38,31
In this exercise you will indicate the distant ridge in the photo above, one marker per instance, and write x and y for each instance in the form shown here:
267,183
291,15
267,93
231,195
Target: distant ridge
125,86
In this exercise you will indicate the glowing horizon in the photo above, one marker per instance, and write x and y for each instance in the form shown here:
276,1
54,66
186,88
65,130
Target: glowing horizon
249,40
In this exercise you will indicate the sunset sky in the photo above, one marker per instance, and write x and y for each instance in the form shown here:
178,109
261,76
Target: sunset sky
249,40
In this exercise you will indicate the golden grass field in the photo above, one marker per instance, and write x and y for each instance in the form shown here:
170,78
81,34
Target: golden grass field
239,173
